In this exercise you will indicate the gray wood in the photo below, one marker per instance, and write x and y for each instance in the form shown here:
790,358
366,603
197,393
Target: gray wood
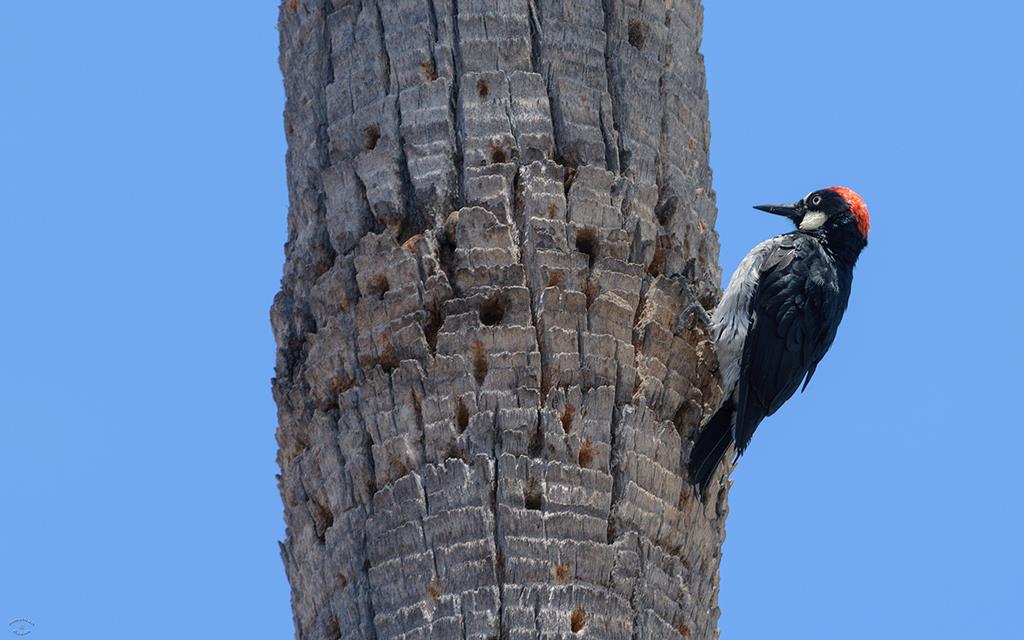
489,364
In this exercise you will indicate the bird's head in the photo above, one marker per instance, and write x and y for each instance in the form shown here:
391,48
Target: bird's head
836,212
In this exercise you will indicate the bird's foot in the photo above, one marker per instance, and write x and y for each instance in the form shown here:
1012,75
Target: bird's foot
694,311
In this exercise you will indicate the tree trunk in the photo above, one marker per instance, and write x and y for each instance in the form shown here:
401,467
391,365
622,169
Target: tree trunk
491,360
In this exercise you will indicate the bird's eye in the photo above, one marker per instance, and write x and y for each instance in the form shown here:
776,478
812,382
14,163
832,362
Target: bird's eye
816,200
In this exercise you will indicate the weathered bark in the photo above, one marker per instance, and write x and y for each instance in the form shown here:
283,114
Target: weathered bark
489,363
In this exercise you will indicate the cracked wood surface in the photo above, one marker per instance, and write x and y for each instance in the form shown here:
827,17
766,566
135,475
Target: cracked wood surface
488,370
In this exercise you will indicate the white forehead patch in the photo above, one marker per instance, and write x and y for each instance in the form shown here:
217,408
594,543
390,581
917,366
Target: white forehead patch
813,220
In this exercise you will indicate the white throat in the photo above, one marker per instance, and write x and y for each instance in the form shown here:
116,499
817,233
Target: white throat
812,221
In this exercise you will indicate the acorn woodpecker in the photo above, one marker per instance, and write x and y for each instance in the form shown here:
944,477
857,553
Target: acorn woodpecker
778,317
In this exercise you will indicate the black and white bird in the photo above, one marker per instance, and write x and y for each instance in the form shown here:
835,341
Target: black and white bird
779,316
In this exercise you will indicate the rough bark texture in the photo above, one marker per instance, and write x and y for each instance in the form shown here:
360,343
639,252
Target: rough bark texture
489,363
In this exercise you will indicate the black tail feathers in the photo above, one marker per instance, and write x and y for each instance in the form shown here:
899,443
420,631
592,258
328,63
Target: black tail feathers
711,445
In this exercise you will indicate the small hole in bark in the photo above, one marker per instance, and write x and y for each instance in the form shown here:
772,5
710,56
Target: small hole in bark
293,6
561,572
586,242
567,415
569,177
432,325
461,415
665,211
482,88
479,358
536,443
388,358
636,33
342,580
657,266
333,630
498,154
323,519
429,70
492,310
455,452
531,496
577,619
370,137
555,278
586,457
434,589
378,286
590,290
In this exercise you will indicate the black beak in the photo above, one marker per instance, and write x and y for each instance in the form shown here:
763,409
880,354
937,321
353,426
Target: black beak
794,212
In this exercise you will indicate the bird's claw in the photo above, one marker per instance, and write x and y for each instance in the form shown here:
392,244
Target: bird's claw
695,310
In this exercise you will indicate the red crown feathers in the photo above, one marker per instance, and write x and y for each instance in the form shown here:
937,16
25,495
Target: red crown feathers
856,204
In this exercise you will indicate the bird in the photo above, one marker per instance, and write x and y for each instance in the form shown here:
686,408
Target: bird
778,317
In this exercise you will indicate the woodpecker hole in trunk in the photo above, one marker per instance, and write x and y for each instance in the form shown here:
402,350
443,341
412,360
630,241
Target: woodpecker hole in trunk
461,415
586,456
370,137
562,572
577,619
636,33
536,443
531,496
479,358
567,415
492,310
498,155
586,242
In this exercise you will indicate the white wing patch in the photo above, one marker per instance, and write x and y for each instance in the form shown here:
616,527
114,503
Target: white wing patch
731,318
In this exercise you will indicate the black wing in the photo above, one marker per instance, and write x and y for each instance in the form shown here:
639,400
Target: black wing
796,309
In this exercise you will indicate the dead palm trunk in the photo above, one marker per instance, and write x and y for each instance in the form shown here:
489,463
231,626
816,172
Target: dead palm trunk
488,369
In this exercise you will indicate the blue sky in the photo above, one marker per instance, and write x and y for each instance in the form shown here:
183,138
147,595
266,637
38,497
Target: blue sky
143,203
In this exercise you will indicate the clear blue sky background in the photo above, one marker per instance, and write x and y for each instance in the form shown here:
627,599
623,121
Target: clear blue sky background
143,211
